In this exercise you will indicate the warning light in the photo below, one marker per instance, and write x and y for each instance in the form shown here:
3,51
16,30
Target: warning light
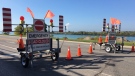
22,20
107,26
104,25
119,27
51,22
113,28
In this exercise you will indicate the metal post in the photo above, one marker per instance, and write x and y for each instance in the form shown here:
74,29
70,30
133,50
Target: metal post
31,58
94,46
51,42
58,43
52,28
27,38
65,32
48,28
122,43
100,46
114,49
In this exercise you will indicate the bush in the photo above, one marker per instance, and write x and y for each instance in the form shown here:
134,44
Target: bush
6,33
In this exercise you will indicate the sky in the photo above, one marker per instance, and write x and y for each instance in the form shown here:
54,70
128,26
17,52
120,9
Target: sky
80,15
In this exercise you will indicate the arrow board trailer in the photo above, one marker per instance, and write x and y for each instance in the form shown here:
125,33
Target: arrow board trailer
38,43
112,44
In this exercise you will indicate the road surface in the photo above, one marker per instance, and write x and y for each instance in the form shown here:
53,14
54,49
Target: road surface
99,63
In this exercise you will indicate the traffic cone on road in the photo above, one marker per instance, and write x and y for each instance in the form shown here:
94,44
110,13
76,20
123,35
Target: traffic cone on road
20,41
90,49
106,39
100,39
133,49
79,51
68,55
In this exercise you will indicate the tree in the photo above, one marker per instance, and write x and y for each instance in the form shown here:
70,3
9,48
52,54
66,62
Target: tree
19,28
6,33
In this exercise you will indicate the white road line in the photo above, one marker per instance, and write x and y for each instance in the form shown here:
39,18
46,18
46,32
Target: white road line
8,47
10,42
9,54
15,54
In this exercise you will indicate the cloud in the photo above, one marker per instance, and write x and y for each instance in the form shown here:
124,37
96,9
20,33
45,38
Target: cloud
67,24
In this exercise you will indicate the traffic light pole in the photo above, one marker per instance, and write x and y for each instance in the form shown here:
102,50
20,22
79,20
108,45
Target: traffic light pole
65,32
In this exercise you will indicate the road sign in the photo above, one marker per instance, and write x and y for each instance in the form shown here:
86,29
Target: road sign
39,40
38,25
38,35
7,23
60,23
112,37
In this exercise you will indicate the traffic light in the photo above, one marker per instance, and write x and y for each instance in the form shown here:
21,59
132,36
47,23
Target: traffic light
116,27
119,27
21,24
107,26
51,22
104,24
113,28
22,20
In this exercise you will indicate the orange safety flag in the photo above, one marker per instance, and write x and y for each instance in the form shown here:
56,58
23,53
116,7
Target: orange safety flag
28,10
49,14
113,21
118,22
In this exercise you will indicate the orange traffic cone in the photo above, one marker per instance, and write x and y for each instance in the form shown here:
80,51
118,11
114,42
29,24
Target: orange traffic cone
100,40
90,50
79,51
106,39
133,49
68,55
20,41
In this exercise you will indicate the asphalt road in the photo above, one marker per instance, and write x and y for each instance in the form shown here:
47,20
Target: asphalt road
99,63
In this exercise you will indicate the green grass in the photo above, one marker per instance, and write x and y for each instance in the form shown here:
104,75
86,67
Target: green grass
96,40
128,43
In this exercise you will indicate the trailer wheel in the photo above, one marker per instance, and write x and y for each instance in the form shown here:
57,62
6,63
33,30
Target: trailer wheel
108,49
55,56
24,61
118,48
